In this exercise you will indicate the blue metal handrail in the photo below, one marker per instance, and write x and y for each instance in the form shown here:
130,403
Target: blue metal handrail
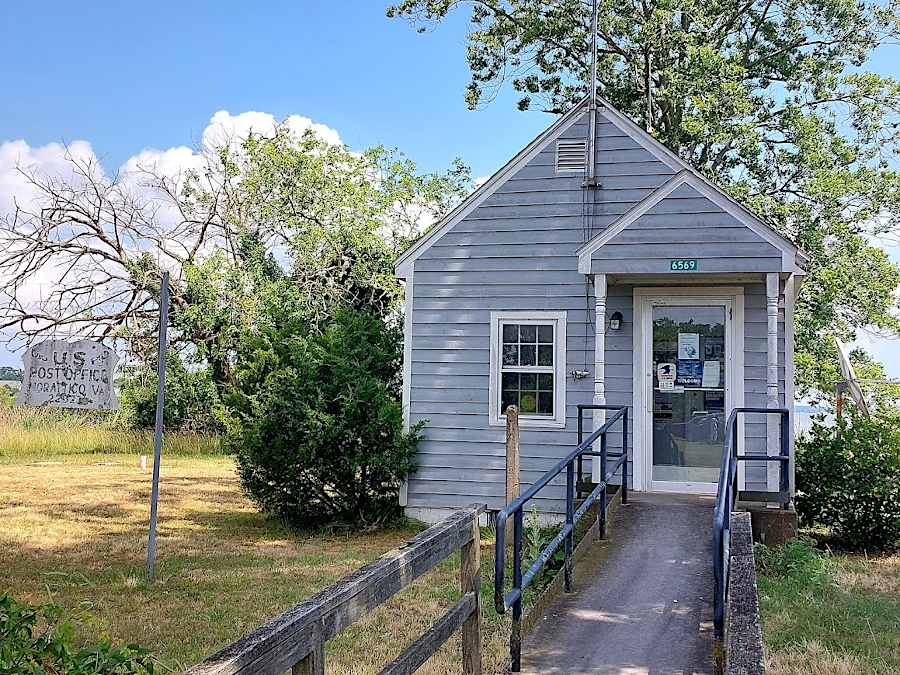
726,497
515,508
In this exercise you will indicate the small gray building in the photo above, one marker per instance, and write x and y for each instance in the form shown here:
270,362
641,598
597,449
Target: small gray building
629,280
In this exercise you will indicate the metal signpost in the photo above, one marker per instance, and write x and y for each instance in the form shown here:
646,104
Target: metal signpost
160,396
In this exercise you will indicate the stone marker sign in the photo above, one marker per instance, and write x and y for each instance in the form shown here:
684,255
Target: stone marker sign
69,375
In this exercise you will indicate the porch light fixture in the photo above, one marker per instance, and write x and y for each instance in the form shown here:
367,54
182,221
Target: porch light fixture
615,321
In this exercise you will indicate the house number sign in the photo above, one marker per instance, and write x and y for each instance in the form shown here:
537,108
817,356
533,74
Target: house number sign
682,265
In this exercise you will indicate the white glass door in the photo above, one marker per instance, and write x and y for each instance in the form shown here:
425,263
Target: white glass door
689,372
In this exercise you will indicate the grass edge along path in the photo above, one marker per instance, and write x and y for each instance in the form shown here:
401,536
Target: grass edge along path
825,614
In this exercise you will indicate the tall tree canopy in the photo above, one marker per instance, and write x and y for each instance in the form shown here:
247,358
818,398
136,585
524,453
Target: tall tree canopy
246,215
767,97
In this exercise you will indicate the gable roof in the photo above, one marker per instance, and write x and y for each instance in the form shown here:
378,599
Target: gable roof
792,259
404,263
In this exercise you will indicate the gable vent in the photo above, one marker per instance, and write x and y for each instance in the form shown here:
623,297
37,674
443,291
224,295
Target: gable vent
570,155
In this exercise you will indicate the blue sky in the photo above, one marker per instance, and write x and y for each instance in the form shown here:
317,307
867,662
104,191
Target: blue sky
125,77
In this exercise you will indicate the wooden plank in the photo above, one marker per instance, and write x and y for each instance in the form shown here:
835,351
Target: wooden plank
425,647
282,642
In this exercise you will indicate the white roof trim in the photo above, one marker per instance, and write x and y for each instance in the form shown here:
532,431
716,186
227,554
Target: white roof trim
404,263
712,192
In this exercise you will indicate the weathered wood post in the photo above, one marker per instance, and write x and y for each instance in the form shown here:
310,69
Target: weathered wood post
314,662
470,582
512,461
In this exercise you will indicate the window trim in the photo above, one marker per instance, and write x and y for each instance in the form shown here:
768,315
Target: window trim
558,321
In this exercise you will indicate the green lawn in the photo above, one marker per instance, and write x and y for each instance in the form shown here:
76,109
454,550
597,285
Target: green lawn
74,508
829,614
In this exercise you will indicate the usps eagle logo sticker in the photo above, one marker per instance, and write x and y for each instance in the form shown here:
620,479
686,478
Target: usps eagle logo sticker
666,372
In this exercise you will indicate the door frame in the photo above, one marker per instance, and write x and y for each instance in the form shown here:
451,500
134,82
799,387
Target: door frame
645,298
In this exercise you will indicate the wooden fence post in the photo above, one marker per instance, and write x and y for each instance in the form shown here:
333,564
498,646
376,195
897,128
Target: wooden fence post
512,461
314,662
470,582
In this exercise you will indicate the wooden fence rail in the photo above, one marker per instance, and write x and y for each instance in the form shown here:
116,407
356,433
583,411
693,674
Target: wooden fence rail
296,639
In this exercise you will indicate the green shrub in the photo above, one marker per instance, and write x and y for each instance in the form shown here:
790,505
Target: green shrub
850,482
39,640
322,441
192,401
8,395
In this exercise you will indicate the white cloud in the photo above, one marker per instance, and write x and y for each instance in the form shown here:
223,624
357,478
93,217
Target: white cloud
43,161
227,128
478,182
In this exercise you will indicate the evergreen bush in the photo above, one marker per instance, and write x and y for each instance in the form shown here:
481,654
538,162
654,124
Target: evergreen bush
321,440
848,480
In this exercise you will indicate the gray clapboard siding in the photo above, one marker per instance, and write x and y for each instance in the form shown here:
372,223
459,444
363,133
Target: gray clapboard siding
638,248
705,264
543,264
530,291
445,306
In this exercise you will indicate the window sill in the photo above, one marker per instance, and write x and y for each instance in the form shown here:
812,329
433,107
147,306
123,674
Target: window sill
532,423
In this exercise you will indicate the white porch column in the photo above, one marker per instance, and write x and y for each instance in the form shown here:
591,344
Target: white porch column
791,289
772,421
599,416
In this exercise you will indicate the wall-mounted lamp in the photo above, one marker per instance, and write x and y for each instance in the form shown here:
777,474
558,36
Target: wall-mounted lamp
615,321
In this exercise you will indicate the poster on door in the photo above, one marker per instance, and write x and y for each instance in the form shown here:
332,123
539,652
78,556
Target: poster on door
689,372
689,345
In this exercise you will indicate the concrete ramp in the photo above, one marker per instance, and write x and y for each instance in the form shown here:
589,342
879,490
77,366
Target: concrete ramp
642,600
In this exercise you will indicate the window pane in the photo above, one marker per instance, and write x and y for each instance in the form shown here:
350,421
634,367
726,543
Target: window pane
510,332
528,334
527,348
528,356
510,355
508,398
528,403
545,355
545,403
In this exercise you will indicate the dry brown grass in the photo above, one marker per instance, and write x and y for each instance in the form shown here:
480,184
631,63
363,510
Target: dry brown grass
880,575
77,532
813,658
832,615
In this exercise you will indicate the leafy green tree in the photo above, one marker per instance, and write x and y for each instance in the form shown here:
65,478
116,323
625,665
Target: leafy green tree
767,97
282,205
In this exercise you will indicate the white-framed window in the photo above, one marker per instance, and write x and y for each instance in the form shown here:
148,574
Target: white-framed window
528,367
